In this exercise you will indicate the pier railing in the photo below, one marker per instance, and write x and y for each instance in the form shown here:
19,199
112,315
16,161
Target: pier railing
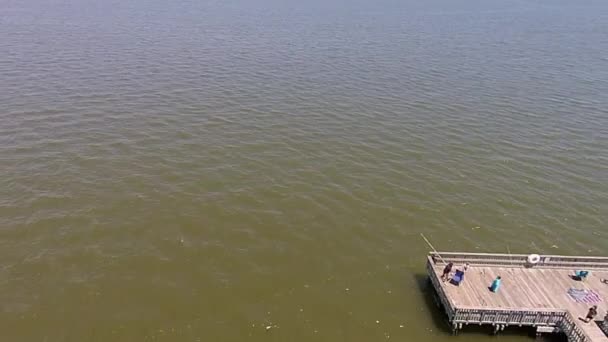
527,317
574,333
604,324
501,318
443,298
521,260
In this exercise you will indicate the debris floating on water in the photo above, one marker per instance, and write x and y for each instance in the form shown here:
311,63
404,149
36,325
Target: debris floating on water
377,322
400,325
268,327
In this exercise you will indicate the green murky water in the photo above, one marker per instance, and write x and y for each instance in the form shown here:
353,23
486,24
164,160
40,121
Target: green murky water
200,170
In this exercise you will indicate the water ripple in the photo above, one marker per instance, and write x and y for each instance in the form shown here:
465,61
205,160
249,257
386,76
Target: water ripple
200,169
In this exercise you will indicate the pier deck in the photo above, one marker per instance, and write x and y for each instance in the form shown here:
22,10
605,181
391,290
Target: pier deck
530,295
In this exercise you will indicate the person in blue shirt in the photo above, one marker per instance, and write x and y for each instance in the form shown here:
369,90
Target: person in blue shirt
495,284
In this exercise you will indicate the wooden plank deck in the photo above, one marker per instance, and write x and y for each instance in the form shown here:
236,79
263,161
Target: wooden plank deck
542,288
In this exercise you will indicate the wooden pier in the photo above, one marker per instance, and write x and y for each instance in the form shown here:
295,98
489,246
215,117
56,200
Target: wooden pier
532,294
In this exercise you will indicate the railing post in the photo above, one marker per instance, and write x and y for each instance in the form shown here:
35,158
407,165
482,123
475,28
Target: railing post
604,324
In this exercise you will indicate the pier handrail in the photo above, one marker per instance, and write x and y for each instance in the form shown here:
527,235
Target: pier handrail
604,324
560,318
521,260
569,327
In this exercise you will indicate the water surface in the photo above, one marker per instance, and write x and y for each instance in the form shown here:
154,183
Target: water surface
200,170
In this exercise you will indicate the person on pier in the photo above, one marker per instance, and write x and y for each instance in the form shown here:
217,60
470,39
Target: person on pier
590,314
446,271
495,284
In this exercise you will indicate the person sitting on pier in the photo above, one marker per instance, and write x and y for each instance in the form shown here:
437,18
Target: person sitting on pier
446,271
591,314
495,284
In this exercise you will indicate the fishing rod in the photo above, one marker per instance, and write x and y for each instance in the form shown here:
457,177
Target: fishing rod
433,248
